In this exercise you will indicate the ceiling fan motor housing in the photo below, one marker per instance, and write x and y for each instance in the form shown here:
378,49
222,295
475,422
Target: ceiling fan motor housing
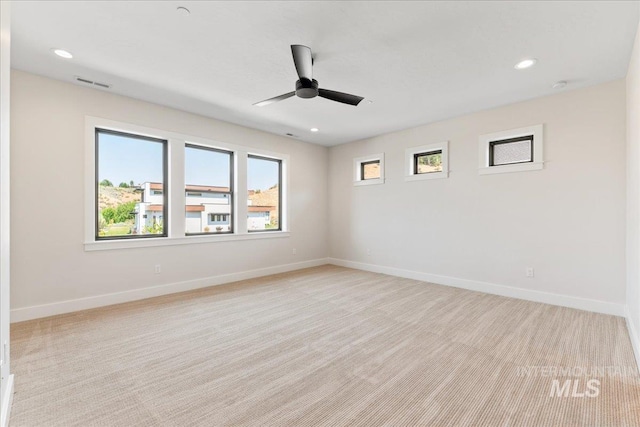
306,88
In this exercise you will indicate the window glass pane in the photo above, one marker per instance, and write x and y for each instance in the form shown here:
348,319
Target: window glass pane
208,192
371,170
428,162
504,153
131,187
263,182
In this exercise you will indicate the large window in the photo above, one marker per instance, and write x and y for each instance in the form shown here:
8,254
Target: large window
264,184
142,183
130,178
208,190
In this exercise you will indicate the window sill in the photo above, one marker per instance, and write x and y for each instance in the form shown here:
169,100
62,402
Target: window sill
369,181
423,176
106,245
511,168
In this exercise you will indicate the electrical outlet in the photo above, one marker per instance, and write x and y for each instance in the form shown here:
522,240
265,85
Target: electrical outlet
368,251
294,251
158,269
529,272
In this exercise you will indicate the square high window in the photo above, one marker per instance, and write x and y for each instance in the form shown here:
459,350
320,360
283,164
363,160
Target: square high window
369,170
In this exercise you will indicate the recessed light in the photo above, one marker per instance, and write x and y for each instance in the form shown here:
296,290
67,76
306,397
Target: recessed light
63,53
526,63
559,85
183,11
314,129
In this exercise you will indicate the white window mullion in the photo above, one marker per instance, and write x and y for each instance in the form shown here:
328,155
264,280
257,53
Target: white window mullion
176,188
241,191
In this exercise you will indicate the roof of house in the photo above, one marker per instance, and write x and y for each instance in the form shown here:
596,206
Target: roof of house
260,208
190,208
189,187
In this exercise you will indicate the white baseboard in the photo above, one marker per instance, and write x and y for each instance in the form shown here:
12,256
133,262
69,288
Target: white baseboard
491,288
7,400
61,307
633,335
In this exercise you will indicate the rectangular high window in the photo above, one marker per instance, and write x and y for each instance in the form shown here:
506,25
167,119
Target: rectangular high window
511,151
264,184
429,162
514,150
208,190
130,179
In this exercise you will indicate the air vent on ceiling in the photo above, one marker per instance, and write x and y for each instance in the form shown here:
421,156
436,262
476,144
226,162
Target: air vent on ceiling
291,135
92,83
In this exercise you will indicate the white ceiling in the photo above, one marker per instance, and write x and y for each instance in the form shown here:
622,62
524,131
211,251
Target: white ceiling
417,61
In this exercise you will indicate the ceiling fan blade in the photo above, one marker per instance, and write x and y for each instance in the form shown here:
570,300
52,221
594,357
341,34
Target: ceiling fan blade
303,61
345,98
274,99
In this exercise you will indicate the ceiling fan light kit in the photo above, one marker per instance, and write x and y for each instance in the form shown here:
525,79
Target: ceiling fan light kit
307,87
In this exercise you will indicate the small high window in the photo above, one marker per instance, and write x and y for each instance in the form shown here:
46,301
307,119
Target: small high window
427,162
369,169
511,151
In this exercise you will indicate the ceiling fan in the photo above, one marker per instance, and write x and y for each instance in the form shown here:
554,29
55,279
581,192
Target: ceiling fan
307,86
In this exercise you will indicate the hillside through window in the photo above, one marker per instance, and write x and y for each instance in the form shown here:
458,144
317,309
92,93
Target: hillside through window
130,186
370,170
428,162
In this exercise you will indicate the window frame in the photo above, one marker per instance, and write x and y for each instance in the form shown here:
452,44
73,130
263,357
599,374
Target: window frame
358,169
165,177
175,188
485,142
280,185
411,170
231,193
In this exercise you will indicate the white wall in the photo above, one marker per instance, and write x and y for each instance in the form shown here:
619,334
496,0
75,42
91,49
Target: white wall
567,221
6,381
633,194
50,265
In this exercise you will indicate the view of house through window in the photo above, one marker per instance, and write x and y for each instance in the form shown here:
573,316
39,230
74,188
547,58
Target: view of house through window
130,178
428,162
208,190
370,170
264,178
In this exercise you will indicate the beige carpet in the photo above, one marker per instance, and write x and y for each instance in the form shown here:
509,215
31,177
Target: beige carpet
327,346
